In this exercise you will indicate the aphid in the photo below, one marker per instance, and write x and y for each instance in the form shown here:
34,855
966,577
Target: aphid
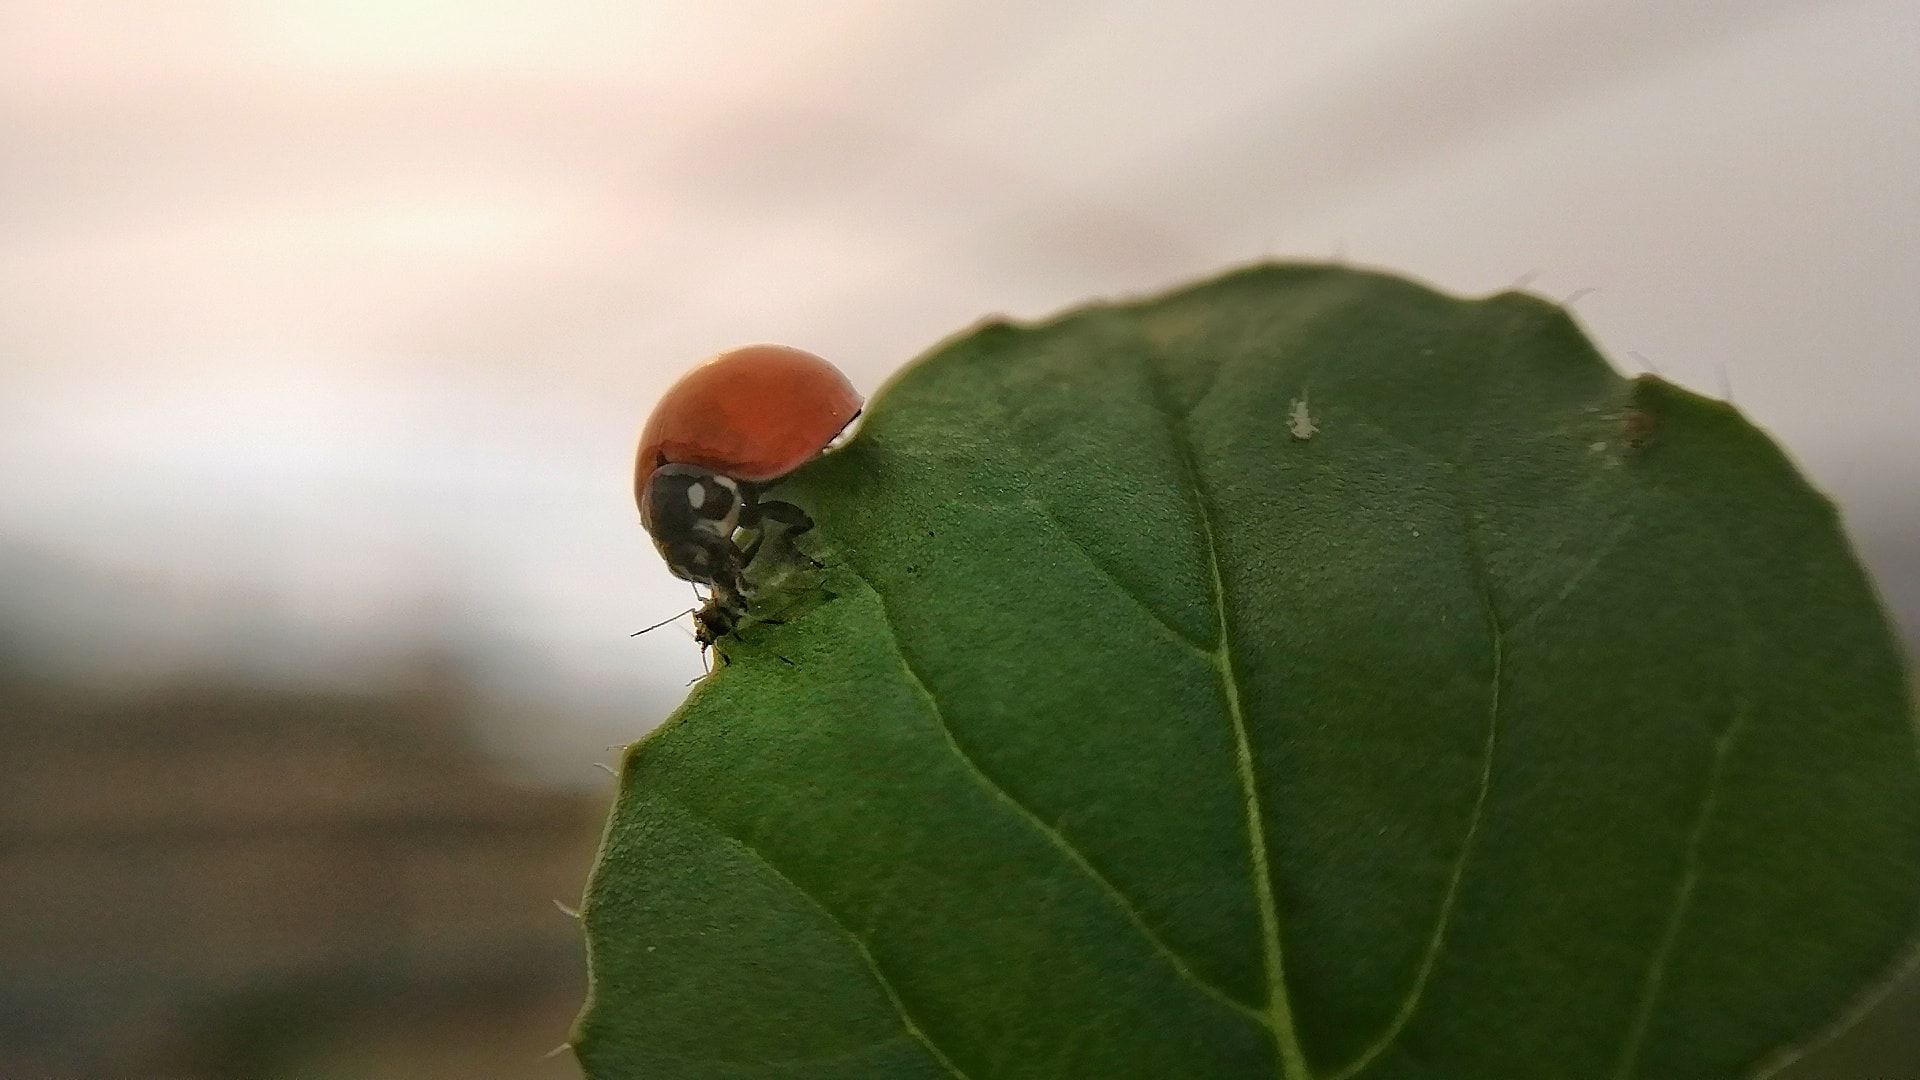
1639,426
719,436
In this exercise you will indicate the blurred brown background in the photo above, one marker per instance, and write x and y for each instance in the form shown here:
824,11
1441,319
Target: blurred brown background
325,329
234,880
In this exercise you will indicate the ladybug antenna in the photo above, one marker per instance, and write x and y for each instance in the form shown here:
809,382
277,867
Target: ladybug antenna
663,622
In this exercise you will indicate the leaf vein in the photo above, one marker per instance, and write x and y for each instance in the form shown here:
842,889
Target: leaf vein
886,985
1443,920
1663,950
1053,835
1291,1063
1856,1011
1045,509
1122,587
1580,574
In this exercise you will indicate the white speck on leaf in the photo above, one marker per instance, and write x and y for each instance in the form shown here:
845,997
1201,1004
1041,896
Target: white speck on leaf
1300,421
1598,447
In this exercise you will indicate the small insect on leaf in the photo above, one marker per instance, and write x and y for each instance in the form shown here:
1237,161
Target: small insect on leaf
1299,421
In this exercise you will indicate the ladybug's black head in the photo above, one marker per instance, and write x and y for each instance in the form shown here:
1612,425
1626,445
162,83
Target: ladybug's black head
692,514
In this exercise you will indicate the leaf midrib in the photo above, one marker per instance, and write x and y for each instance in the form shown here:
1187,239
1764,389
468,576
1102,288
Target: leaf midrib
1290,1059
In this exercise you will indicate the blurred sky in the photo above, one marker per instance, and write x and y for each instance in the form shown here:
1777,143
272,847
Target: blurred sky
326,328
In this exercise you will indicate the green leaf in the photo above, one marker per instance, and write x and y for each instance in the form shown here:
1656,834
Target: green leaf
1304,674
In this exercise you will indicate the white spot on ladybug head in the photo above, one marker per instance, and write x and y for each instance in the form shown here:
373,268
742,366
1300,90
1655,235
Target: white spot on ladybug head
696,495
1299,421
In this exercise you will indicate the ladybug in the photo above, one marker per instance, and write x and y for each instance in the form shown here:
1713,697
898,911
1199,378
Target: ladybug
719,436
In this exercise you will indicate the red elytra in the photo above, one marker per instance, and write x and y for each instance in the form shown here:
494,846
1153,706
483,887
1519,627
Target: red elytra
755,413
743,418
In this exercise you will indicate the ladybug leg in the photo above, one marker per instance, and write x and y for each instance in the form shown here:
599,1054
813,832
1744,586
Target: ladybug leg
753,547
793,520
750,520
757,515
706,561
